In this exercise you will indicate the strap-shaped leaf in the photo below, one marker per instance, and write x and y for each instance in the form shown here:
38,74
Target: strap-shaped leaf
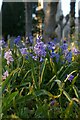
7,102
59,83
67,69
67,95
42,72
76,91
8,79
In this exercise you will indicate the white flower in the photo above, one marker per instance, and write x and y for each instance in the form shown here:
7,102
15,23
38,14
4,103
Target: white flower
8,56
5,75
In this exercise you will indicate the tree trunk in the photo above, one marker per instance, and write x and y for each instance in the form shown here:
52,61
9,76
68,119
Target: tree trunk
72,17
50,9
79,24
28,18
79,19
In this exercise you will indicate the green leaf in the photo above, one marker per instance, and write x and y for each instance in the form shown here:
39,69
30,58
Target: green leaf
51,80
44,92
7,101
74,80
76,100
35,94
42,72
76,91
8,79
68,68
59,83
67,95
69,109
33,73
42,111
25,75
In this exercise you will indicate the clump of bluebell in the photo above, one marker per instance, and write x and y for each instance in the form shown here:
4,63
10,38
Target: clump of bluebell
68,52
52,50
40,50
17,39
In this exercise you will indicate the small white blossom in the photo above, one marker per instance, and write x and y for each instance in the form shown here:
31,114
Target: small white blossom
5,75
8,56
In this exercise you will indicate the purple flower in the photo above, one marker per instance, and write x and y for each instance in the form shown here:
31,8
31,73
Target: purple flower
64,41
65,52
51,45
35,57
64,46
75,51
39,49
27,57
55,55
52,102
68,56
56,41
41,59
30,38
70,77
16,40
23,51
2,42
39,39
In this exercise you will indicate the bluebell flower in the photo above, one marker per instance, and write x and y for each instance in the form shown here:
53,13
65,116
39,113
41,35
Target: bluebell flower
52,102
70,77
41,59
51,45
68,56
55,55
64,41
16,40
64,46
30,38
27,57
2,42
75,51
39,49
23,51
39,39
31,54
56,40
35,57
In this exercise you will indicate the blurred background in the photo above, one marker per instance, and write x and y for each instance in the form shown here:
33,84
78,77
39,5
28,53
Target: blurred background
50,19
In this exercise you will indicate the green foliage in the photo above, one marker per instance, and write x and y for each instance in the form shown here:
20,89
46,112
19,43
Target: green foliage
31,86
